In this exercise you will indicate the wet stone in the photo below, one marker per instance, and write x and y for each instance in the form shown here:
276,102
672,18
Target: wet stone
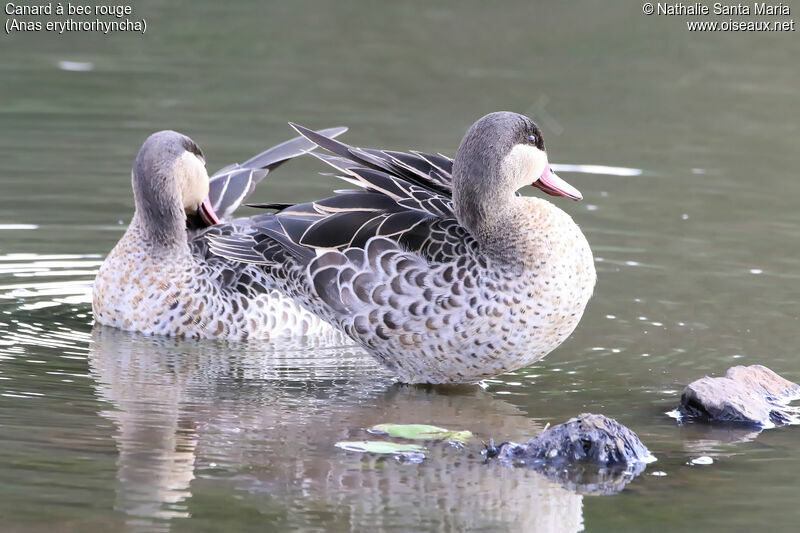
752,395
589,454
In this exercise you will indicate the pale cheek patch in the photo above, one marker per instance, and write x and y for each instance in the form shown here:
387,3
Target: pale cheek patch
192,179
526,163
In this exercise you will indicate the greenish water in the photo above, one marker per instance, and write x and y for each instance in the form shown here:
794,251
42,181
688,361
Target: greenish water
697,256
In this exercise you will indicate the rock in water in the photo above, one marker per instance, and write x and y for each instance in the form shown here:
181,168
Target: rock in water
590,454
747,394
588,437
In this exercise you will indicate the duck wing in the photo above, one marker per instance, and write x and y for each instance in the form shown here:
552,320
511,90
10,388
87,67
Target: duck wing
229,187
433,172
405,197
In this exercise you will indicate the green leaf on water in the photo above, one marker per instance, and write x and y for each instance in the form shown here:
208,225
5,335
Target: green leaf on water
379,446
421,432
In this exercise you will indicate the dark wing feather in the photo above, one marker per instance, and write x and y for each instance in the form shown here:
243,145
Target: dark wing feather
230,186
295,225
278,206
260,239
383,182
336,230
336,147
404,221
227,191
443,163
367,231
355,201
418,169
406,197
274,157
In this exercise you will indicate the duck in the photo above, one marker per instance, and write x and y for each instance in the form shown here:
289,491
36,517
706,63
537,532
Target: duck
162,279
438,267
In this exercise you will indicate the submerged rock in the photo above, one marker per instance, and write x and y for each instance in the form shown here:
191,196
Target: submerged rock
752,395
590,453
588,437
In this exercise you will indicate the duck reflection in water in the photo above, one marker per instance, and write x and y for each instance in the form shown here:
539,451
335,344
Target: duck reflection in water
262,420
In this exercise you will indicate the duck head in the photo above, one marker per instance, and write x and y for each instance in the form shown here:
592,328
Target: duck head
506,151
170,183
501,153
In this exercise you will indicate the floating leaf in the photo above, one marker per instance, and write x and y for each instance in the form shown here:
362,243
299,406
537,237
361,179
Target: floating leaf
421,432
379,446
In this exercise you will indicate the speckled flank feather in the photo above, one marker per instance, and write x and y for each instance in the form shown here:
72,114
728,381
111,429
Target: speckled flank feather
194,294
434,266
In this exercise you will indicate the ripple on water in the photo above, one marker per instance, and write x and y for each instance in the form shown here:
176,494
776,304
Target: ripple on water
74,289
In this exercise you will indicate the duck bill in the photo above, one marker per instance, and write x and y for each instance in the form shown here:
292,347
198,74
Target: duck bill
207,212
550,183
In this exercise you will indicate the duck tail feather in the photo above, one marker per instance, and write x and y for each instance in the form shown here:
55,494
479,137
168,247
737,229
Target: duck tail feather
278,206
277,155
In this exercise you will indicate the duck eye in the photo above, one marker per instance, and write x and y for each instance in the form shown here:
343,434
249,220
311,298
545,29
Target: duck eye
532,138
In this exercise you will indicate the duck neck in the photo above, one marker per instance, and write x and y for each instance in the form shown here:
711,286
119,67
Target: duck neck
159,220
499,230
486,205
158,238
